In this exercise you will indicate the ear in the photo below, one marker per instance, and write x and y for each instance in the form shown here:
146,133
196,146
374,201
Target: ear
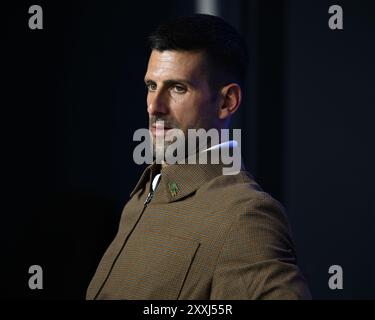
232,96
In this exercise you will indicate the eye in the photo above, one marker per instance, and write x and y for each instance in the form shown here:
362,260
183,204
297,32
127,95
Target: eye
151,86
179,89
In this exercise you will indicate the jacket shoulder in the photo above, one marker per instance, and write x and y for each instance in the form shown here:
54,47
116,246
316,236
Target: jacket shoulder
240,190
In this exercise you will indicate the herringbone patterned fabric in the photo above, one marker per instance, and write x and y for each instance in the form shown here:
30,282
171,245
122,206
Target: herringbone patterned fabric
214,237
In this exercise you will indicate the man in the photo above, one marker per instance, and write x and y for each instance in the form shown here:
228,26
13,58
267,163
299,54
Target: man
189,231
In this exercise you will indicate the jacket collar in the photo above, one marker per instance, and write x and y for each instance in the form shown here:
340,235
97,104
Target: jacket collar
147,175
179,180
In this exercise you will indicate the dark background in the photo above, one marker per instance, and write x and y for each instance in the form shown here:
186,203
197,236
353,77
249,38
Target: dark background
74,95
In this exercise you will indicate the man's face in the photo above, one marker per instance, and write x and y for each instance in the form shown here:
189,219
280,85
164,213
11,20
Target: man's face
179,93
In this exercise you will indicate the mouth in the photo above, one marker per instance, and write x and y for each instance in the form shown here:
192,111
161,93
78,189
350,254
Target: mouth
159,130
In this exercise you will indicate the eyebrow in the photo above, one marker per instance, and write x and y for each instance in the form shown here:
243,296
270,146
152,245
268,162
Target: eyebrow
171,81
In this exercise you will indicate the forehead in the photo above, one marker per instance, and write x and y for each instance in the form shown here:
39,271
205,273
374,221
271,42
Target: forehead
164,65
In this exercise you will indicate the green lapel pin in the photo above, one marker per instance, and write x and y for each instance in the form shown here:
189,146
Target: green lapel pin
173,188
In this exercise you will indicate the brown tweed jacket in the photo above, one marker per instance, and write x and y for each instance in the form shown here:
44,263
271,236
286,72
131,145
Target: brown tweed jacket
203,235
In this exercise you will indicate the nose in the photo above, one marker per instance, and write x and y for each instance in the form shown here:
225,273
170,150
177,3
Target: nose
157,103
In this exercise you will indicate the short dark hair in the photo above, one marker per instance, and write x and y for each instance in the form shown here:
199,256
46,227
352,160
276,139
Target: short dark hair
224,47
